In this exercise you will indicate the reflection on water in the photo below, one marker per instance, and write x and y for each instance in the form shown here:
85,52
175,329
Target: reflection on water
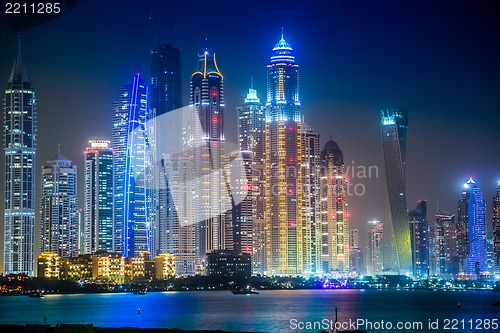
270,311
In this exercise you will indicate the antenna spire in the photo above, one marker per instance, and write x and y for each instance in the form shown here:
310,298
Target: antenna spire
251,82
58,149
282,33
19,43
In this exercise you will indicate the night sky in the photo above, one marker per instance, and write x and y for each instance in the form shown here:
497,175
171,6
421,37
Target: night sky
438,59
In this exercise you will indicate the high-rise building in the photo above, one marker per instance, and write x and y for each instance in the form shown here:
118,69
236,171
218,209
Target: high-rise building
471,235
496,231
283,159
98,201
334,208
20,142
59,208
165,96
251,138
446,244
397,244
311,208
419,235
213,224
131,141
374,262
166,79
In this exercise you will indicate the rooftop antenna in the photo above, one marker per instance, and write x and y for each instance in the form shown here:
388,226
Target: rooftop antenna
282,33
331,137
58,149
206,43
251,82
437,206
19,43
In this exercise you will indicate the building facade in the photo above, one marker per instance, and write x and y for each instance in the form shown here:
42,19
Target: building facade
251,139
283,159
98,221
471,235
59,208
446,244
419,234
334,210
20,142
496,232
374,262
397,243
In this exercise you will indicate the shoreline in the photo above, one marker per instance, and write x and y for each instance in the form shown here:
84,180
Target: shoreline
90,328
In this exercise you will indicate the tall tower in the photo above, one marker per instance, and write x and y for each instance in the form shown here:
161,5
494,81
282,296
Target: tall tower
311,208
251,139
471,236
98,201
335,220
207,96
20,141
59,208
496,231
375,236
131,142
419,239
397,244
165,96
446,243
283,159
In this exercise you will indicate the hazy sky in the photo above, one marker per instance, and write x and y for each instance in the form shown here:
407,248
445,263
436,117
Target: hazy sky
438,59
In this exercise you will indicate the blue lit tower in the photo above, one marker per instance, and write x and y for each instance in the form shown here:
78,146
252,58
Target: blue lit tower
98,197
59,208
471,235
419,239
397,244
20,127
207,96
130,143
496,231
283,159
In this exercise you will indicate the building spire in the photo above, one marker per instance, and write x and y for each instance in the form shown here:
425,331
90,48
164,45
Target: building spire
282,33
251,82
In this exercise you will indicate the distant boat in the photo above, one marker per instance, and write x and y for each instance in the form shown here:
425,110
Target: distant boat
140,292
247,291
37,294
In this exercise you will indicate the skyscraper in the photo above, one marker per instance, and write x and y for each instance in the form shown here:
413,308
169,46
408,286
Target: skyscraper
334,209
496,231
471,236
251,139
207,97
131,142
446,243
20,129
375,236
98,200
419,239
283,158
311,208
397,244
59,208
165,96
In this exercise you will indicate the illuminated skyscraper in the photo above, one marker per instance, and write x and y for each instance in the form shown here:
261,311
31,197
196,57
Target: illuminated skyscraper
98,201
165,96
334,209
131,141
419,235
20,143
374,264
397,244
471,236
251,138
446,243
496,231
311,208
59,208
283,159
207,96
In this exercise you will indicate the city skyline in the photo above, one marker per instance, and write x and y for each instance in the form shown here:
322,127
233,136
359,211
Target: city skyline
258,75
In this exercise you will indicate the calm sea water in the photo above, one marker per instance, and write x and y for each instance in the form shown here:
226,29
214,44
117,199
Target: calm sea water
270,311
